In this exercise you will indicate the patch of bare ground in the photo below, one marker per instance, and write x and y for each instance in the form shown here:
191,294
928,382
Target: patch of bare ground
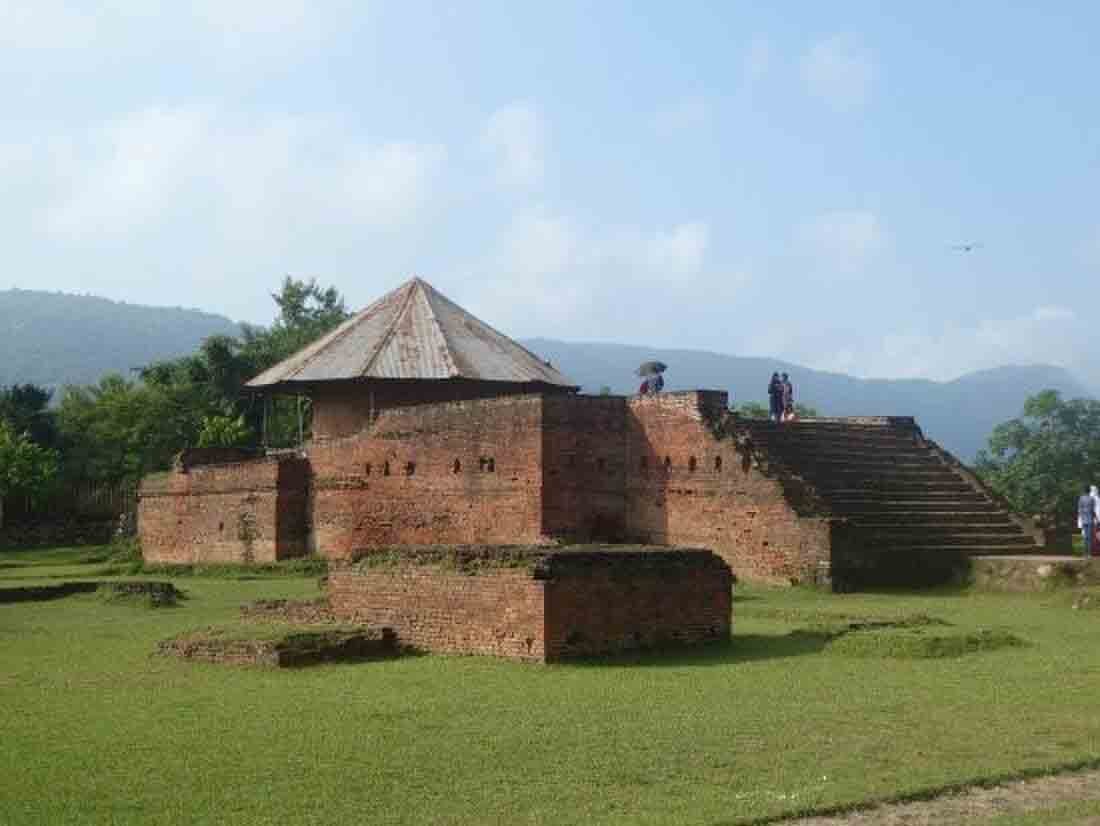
1039,800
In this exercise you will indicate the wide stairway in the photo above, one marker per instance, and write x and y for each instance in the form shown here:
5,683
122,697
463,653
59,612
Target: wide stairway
898,493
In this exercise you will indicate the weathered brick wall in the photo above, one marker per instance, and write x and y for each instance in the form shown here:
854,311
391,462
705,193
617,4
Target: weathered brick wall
599,603
434,607
584,467
449,473
686,486
345,408
531,604
242,512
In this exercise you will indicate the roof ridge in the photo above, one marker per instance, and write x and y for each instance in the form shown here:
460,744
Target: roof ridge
430,293
410,288
511,341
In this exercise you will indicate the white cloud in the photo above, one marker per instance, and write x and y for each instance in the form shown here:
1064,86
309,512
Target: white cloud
839,72
550,274
251,177
757,59
679,252
843,238
44,24
686,115
121,34
164,203
514,137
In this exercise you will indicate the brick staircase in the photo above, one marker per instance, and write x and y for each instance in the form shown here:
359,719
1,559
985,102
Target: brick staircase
903,509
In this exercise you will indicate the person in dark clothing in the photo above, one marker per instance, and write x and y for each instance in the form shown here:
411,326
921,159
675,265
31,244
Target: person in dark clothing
1086,519
775,398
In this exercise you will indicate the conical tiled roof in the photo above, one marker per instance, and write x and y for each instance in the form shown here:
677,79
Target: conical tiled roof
413,332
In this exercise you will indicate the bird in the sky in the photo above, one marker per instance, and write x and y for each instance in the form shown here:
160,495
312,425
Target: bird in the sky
970,246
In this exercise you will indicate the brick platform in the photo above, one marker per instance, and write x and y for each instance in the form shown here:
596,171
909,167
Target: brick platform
529,603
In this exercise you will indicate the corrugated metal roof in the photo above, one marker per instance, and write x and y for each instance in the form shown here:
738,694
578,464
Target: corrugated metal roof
414,332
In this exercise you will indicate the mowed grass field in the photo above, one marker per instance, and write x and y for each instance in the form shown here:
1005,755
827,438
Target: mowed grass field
95,728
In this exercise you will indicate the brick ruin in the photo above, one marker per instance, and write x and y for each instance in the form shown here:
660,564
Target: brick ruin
431,428
537,603
854,502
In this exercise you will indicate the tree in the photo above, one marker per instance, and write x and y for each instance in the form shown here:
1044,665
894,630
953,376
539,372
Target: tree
225,431
26,468
121,430
25,408
211,380
1041,461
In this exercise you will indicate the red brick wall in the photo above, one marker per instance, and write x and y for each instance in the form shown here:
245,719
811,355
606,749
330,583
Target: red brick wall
550,606
243,512
611,602
344,408
584,453
724,503
457,473
498,612
510,470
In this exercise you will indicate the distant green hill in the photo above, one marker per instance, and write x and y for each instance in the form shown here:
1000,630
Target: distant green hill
958,414
52,339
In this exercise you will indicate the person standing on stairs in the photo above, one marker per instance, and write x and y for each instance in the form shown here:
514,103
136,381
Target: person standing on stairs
775,398
1086,518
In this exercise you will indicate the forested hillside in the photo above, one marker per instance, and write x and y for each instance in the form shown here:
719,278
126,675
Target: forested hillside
52,339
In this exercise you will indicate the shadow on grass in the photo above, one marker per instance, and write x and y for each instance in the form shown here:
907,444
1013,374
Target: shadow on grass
740,648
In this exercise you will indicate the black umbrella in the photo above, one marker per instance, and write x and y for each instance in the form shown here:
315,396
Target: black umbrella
652,368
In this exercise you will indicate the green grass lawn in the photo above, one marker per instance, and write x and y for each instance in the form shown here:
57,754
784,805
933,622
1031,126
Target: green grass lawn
95,729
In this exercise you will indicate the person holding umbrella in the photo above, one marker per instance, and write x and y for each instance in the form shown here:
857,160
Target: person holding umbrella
651,372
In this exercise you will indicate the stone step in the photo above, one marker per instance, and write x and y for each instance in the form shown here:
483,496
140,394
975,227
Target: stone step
894,532
894,507
862,494
813,472
970,550
871,460
879,518
834,443
917,539
912,490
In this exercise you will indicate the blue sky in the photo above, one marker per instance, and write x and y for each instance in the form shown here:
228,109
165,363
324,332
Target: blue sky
761,179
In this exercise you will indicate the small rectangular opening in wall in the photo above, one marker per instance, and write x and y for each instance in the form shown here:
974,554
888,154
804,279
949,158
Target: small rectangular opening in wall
410,468
601,464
